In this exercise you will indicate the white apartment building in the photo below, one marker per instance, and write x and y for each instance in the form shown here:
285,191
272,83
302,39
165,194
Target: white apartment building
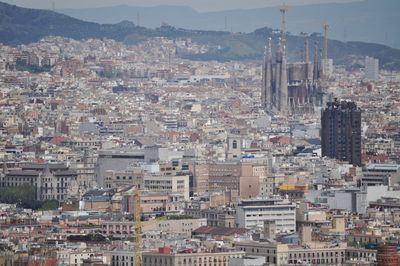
76,257
167,183
251,213
371,68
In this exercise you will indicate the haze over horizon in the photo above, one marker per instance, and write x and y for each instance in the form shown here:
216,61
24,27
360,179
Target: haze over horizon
201,6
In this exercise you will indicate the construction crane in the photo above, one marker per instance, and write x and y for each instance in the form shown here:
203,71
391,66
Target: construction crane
138,226
283,9
326,28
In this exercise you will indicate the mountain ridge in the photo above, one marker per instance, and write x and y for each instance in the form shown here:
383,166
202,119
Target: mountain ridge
24,25
368,20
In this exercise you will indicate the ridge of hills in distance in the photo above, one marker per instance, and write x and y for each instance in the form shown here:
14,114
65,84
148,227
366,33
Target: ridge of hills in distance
24,25
367,20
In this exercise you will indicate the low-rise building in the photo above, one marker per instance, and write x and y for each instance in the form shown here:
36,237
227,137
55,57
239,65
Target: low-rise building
121,256
381,174
314,253
166,257
77,257
247,261
275,253
217,217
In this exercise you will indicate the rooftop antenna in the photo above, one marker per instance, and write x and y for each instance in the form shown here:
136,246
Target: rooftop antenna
169,58
226,23
325,52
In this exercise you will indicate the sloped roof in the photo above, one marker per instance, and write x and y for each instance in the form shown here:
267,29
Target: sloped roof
57,140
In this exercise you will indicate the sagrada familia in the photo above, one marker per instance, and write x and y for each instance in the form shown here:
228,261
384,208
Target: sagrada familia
293,87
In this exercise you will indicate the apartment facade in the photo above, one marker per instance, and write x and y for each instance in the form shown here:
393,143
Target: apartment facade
251,213
341,132
165,257
167,183
51,181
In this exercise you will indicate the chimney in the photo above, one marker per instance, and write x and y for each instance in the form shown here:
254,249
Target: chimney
305,234
269,229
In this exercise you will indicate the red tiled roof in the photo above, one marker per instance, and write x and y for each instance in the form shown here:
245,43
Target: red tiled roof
57,140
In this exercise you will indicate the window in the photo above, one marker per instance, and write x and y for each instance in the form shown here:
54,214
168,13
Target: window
234,144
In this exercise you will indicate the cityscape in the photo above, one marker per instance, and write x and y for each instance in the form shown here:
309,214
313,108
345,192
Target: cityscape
130,146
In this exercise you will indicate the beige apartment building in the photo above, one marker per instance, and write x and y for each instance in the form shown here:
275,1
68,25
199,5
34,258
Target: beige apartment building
167,183
166,257
245,176
316,253
126,228
76,257
115,179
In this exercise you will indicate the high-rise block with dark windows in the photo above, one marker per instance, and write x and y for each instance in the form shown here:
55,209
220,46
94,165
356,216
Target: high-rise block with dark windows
341,131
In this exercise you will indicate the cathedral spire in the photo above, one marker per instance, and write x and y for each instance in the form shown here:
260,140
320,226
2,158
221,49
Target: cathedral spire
268,75
306,48
264,81
316,63
266,92
283,84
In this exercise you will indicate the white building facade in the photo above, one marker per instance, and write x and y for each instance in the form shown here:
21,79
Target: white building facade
251,213
371,68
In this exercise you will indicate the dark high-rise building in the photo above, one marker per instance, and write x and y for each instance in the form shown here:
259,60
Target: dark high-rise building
341,132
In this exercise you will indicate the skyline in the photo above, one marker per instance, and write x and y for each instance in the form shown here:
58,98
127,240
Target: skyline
164,135
201,6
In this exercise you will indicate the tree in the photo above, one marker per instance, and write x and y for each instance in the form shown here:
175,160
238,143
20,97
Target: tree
24,196
50,205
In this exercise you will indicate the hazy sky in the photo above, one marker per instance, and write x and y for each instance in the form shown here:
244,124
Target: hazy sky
200,5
